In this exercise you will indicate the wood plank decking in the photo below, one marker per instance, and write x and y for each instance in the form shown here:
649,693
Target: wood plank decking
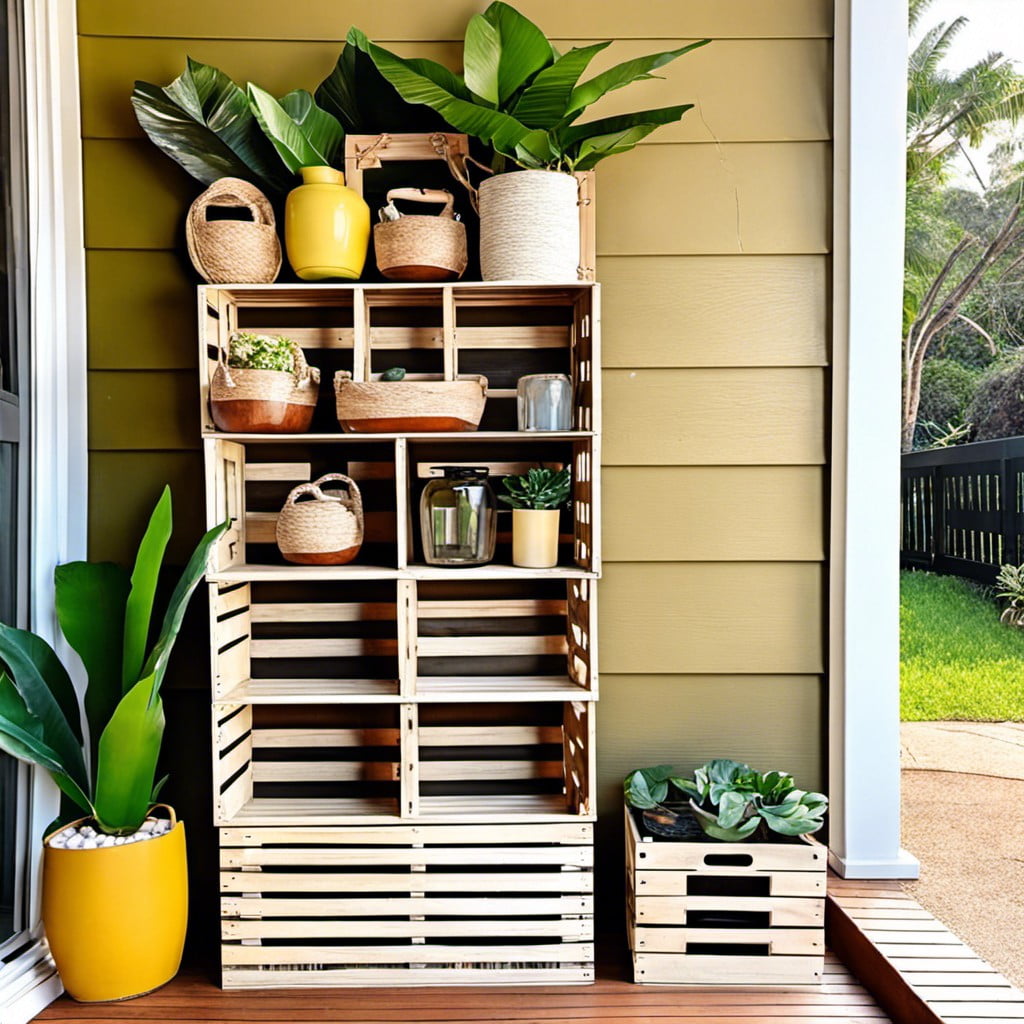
920,971
192,997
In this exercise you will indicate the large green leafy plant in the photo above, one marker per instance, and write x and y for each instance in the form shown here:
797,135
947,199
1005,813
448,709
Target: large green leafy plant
522,97
214,128
105,617
730,800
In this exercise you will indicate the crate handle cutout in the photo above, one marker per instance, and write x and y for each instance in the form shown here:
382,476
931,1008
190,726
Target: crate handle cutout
728,860
726,949
728,919
728,885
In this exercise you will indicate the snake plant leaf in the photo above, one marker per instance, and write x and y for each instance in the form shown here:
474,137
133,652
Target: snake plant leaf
128,752
46,690
156,663
21,736
145,575
302,133
503,50
624,74
202,121
502,131
545,100
593,150
90,599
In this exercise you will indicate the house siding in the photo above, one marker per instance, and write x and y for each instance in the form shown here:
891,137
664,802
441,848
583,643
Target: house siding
713,243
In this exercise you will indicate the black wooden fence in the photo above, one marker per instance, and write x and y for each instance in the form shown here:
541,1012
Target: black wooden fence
962,508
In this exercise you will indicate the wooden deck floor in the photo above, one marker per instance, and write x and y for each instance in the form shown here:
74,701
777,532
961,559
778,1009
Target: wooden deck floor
193,998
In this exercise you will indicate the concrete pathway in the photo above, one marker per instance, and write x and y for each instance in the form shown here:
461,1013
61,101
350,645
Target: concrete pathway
963,790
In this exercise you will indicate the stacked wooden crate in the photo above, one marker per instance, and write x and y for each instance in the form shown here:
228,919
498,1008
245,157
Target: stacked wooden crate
404,754
713,913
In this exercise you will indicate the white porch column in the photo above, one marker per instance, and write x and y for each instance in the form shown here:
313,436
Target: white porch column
869,176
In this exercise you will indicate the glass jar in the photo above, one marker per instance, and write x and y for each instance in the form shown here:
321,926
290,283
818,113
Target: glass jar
458,517
544,402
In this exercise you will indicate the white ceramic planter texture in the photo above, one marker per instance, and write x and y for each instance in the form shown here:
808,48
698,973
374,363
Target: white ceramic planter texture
530,227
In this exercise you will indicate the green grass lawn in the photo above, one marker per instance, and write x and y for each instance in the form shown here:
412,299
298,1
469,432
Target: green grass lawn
957,660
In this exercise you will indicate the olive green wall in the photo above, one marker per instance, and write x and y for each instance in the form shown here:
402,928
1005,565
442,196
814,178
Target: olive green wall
712,240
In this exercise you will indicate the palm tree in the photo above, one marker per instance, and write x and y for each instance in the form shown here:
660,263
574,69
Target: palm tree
946,112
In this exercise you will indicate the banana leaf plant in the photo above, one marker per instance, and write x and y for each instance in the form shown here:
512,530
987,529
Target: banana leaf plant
730,800
215,128
522,97
108,772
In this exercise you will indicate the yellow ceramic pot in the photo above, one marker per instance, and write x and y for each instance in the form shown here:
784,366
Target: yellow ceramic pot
535,537
115,917
326,227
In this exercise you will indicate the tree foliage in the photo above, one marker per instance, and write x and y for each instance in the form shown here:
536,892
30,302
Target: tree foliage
997,409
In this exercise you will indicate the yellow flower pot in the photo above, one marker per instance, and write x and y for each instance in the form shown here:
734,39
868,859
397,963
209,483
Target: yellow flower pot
115,917
535,537
326,227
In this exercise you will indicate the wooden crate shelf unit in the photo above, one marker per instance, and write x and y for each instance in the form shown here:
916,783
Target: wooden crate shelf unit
404,754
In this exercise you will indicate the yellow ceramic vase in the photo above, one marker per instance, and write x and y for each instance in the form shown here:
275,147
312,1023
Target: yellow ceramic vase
326,227
115,917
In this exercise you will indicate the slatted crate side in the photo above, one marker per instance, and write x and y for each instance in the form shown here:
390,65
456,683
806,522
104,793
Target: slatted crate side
232,759
218,318
581,633
230,631
464,900
508,640
579,752
225,501
327,640
665,969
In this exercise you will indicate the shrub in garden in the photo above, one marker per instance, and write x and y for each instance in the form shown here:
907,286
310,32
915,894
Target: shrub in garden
997,409
947,388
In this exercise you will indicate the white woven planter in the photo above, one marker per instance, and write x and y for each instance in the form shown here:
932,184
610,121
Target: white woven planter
529,227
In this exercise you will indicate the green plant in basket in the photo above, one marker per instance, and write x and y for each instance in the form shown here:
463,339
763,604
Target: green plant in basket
105,617
539,489
261,352
730,800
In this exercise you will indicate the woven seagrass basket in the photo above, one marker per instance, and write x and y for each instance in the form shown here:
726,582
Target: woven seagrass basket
233,251
244,401
325,529
419,403
418,248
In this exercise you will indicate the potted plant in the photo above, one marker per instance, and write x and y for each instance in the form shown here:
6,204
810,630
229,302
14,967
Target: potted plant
1011,580
114,881
746,907
536,501
523,98
263,385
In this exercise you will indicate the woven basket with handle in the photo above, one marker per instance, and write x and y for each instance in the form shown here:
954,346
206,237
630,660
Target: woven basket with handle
244,401
234,251
419,248
319,526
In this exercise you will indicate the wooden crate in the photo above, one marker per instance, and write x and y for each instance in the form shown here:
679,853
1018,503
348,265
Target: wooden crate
408,905
711,913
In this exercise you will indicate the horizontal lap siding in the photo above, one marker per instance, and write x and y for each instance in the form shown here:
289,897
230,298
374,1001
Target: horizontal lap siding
713,255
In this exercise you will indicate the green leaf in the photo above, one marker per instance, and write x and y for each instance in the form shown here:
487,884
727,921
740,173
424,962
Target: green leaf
545,101
503,59
128,752
637,791
47,692
302,133
491,126
202,121
624,74
593,150
687,786
139,608
709,823
731,809
156,663
621,122
21,736
90,599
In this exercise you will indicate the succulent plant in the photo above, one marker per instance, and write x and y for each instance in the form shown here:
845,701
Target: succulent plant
538,489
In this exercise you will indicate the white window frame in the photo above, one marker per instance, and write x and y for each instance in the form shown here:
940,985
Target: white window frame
869,180
57,400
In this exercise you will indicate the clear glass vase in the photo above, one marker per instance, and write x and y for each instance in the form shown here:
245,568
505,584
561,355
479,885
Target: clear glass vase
458,517
544,402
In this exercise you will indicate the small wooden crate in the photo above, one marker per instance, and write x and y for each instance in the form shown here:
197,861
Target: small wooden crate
407,905
711,913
